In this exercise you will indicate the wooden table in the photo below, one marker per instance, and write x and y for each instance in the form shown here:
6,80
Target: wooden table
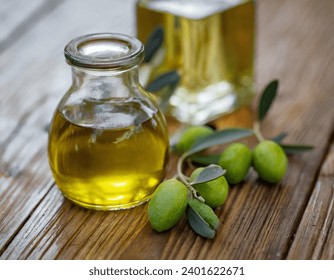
293,220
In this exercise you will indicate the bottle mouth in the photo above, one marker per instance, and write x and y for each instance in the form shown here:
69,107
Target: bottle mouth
104,51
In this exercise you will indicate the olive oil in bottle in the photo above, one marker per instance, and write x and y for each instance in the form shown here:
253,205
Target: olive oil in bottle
210,43
108,143
112,165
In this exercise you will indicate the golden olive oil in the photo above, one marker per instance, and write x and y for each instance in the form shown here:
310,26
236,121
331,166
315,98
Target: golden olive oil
115,163
212,51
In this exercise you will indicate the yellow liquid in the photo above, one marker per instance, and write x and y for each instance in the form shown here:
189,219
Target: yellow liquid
214,56
108,169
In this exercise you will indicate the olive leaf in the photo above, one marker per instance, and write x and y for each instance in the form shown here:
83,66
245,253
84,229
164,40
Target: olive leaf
199,225
296,149
164,87
205,160
46,128
165,94
279,138
153,43
168,78
218,138
175,138
267,99
209,173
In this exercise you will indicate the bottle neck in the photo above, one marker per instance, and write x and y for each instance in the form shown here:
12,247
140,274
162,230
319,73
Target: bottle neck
102,84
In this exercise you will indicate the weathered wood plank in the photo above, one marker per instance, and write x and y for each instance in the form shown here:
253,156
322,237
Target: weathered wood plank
16,18
25,181
315,236
18,15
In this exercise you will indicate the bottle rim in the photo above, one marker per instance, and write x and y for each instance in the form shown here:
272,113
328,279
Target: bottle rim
112,51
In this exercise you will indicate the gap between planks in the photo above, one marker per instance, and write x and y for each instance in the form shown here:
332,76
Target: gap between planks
22,27
314,238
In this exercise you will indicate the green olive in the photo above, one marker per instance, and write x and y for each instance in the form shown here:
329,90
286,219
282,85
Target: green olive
214,192
270,161
236,159
205,211
190,135
167,205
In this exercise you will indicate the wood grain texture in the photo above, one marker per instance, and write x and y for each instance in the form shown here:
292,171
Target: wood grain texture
17,16
258,221
315,236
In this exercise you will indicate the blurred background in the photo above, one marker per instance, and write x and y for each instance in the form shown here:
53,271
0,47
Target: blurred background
33,35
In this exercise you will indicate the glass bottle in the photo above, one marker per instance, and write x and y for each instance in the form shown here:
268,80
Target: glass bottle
108,144
210,43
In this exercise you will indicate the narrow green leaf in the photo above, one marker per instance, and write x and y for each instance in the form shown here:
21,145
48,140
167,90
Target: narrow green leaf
296,149
205,160
205,211
218,138
267,98
175,138
47,127
164,95
153,43
280,137
198,224
209,173
168,78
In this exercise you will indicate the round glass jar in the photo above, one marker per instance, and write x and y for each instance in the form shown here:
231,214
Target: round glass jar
108,143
